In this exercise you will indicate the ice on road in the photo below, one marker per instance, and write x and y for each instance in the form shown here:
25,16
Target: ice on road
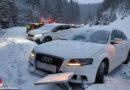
14,54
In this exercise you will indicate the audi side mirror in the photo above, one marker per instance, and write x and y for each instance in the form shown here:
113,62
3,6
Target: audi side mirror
117,41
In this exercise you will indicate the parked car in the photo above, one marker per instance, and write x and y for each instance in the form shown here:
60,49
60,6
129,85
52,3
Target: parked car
49,32
90,54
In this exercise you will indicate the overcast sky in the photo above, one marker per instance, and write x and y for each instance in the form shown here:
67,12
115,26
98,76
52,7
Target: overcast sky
88,1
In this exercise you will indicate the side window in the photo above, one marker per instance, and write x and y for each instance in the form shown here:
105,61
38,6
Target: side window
114,35
59,28
123,36
118,34
66,27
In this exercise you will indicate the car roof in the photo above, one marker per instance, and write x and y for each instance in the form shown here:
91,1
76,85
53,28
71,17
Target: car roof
57,24
95,29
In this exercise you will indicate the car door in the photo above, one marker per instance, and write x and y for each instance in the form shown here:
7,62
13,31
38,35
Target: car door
66,29
57,32
118,50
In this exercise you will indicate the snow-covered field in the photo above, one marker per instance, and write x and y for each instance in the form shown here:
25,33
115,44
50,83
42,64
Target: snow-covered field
15,50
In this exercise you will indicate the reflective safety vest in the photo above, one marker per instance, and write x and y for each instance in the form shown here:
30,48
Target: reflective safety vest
28,27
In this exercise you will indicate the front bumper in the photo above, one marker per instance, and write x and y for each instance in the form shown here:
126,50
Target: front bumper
32,69
82,74
36,39
85,74
33,38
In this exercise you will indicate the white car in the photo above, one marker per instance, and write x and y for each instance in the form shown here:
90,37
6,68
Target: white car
90,54
48,32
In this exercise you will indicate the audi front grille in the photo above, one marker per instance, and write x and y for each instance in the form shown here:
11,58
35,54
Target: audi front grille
50,60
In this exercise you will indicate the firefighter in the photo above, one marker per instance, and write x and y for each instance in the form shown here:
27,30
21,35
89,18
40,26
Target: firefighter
32,26
28,28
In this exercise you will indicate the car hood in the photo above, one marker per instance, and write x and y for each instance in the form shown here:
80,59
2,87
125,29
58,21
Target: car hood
38,31
69,49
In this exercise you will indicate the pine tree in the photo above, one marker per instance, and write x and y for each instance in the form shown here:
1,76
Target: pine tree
58,13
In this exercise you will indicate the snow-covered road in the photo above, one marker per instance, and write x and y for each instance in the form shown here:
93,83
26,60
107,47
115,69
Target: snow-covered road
14,53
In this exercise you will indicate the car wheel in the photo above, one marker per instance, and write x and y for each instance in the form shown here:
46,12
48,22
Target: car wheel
47,39
38,41
128,59
100,73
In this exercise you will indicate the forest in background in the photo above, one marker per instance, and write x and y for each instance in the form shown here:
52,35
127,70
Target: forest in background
108,11
21,12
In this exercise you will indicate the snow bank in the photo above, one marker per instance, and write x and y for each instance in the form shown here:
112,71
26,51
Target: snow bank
14,54
120,24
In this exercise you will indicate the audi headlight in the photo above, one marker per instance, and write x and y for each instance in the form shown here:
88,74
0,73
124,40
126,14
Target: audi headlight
38,35
32,54
80,62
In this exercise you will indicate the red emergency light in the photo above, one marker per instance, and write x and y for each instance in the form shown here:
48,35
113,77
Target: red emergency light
49,20
41,20
0,80
32,27
54,22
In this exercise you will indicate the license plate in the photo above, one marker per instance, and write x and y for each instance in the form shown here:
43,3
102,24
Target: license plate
47,67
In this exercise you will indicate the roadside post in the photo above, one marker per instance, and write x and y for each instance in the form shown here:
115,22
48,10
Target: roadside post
3,87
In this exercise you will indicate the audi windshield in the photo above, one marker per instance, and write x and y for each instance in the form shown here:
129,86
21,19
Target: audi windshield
94,36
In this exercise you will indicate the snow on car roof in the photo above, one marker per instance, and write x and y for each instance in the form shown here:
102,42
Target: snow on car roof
49,27
101,28
81,30
57,24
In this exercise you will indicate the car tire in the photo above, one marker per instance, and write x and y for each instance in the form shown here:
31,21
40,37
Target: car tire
101,73
128,58
38,41
47,39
